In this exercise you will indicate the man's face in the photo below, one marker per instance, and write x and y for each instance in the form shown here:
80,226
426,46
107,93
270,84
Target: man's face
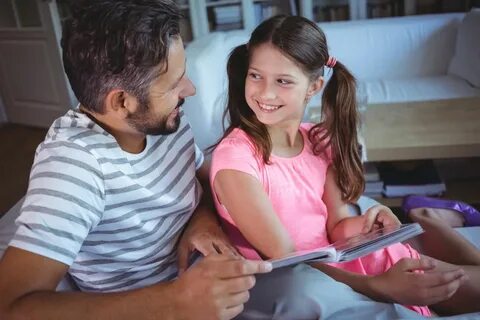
161,113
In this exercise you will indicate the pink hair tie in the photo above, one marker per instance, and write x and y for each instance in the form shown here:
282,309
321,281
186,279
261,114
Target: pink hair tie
331,62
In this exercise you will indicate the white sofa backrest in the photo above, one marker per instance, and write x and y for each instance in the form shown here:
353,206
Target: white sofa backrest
206,66
394,48
372,49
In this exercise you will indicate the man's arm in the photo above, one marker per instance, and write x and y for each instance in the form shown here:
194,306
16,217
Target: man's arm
205,212
215,288
203,232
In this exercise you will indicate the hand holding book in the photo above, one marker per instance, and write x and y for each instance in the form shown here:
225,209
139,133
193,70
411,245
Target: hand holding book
379,216
352,248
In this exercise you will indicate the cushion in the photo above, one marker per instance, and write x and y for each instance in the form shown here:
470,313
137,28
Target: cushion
414,89
395,48
466,60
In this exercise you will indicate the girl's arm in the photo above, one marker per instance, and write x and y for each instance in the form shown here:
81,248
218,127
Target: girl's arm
401,283
340,223
250,208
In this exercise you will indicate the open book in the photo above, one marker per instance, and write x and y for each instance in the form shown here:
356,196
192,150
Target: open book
352,248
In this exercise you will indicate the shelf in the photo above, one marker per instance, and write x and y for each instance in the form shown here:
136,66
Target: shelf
463,190
223,3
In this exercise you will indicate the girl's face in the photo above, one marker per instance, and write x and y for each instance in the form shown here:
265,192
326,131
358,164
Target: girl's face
276,89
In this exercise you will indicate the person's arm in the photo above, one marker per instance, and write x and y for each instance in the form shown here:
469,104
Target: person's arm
340,223
409,282
203,232
216,287
250,208
402,283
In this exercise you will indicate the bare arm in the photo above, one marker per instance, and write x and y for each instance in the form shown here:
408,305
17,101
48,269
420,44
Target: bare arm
28,285
401,283
252,212
214,288
340,223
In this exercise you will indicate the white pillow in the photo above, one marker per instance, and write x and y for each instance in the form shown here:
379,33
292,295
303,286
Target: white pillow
466,61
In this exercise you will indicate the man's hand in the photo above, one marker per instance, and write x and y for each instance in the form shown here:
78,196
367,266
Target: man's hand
216,287
417,282
379,216
206,236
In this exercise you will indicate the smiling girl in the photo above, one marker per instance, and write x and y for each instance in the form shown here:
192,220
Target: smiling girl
281,185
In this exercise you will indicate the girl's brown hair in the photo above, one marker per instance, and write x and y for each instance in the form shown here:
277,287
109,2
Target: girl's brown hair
304,43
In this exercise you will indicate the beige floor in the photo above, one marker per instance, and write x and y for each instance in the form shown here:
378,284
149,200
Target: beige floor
18,144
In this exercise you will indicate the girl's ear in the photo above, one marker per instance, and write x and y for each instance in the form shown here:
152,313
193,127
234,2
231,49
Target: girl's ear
314,87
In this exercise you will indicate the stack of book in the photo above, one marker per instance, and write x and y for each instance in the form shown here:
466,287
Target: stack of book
418,178
334,11
373,183
227,17
266,9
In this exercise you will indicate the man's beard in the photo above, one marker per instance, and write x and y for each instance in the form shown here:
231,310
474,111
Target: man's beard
142,121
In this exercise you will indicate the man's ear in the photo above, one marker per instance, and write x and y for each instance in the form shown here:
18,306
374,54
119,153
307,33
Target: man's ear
314,87
120,103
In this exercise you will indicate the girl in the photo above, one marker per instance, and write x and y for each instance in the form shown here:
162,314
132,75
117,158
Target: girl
281,185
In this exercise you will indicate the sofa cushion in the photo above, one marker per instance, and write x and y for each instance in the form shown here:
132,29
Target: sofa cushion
206,67
414,89
466,61
394,48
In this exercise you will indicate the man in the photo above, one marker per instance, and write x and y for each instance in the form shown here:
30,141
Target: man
115,182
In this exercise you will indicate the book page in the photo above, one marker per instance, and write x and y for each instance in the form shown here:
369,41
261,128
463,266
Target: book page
363,244
325,254
351,248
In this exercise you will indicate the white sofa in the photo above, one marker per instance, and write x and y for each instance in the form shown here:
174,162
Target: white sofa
394,59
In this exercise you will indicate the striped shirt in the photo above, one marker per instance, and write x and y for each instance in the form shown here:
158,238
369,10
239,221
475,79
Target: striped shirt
113,217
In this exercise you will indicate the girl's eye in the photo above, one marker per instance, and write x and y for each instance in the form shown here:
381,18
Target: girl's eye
254,75
282,81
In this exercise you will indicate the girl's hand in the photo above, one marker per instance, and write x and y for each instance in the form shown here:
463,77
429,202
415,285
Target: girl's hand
379,216
402,284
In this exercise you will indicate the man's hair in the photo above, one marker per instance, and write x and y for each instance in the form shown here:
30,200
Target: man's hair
117,44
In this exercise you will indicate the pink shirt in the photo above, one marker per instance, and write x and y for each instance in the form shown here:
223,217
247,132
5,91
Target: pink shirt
295,188
294,185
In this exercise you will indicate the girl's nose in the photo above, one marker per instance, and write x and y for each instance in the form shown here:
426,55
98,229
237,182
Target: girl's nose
268,92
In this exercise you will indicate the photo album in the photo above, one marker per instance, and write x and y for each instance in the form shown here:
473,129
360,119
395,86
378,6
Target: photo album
352,248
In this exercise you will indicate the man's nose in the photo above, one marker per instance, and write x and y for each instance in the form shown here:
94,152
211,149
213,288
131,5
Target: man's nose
189,89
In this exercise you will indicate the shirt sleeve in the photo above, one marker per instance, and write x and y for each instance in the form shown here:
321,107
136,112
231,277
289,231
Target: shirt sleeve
199,157
65,200
235,154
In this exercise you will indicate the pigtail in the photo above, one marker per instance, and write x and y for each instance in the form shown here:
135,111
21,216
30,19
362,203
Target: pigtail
339,124
237,67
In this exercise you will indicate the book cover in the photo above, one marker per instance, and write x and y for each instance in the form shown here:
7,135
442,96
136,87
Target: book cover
373,187
371,173
352,248
401,179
